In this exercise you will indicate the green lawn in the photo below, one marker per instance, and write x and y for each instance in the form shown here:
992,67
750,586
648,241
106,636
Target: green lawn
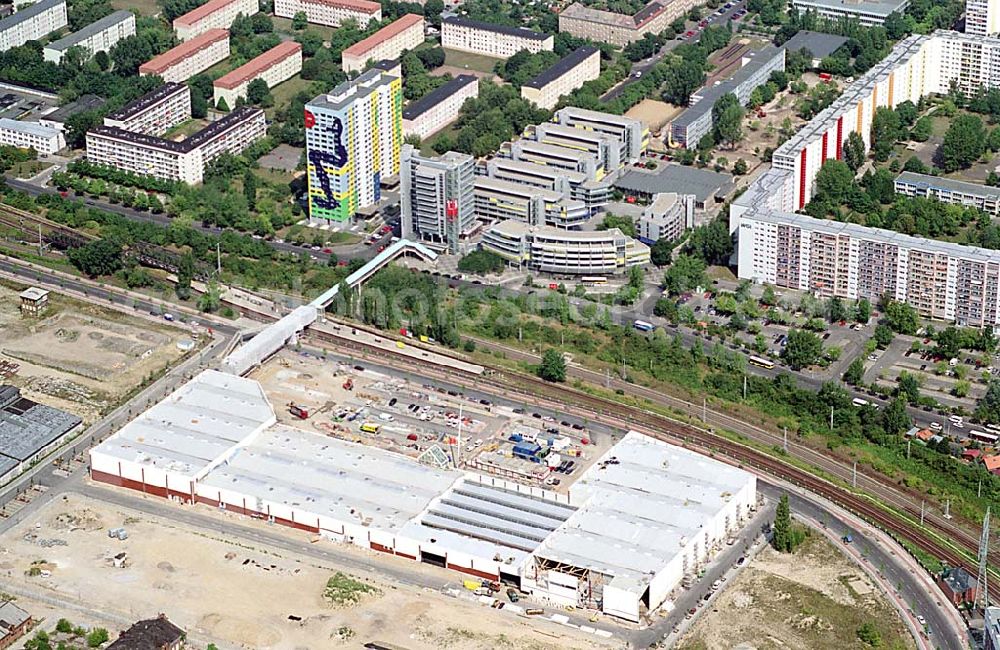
426,146
144,7
186,129
284,92
469,61
285,25
28,168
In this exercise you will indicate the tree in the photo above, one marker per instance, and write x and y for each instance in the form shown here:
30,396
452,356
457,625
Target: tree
97,258
863,311
661,252
64,626
250,188
901,317
96,637
740,167
885,132
781,538
835,310
855,372
922,130
222,105
948,343
686,272
185,274
481,262
854,151
300,21
883,335
257,92
988,407
908,387
553,366
727,116
868,634
964,143
895,419
834,181
210,301
802,349
915,165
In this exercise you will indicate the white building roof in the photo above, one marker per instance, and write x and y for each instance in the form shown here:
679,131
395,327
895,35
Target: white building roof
332,478
31,128
636,515
194,426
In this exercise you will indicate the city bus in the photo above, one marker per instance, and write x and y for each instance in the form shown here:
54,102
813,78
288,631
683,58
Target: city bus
761,362
643,326
594,279
370,427
857,401
982,436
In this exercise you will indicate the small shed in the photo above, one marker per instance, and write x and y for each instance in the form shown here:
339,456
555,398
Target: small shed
34,301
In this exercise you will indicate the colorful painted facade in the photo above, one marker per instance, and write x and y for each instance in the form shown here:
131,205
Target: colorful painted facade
353,140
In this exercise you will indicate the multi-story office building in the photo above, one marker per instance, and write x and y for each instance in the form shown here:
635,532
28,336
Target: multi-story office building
570,184
190,57
632,135
330,12
569,73
947,190
31,135
556,157
667,217
499,41
620,29
982,17
214,14
96,37
185,161
565,252
281,62
155,112
439,108
436,198
866,12
942,280
32,23
498,200
405,33
696,122
353,139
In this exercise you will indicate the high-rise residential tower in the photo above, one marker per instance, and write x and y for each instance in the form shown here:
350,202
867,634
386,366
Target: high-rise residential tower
353,139
982,17
436,197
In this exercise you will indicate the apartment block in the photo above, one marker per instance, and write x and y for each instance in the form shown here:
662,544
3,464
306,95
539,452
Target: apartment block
498,200
696,121
667,217
946,190
185,161
570,252
189,58
982,17
96,37
569,73
278,64
330,12
214,14
941,280
436,198
632,135
440,107
488,39
405,33
353,140
866,12
31,135
621,29
32,23
155,112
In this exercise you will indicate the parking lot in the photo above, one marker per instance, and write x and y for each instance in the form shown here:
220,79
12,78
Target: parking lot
438,426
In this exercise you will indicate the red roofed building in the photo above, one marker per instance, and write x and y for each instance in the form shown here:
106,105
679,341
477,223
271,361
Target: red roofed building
971,454
214,14
330,12
188,59
992,463
274,66
389,42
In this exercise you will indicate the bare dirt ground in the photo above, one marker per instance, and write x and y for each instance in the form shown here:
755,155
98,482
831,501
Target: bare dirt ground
79,357
655,114
813,598
236,594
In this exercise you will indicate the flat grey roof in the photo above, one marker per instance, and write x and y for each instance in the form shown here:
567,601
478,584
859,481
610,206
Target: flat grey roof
951,185
821,45
348,92
26,427
79,105
704,184
34,128
878,8
28,13
438,95
562,66
95,27
709,95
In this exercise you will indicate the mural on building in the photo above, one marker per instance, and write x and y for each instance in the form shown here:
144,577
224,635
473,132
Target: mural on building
322,160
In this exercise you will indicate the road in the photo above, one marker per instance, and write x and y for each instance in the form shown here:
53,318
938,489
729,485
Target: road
639,68
350,251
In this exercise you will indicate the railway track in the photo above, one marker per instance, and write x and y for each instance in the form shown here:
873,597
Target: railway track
16,218
532,389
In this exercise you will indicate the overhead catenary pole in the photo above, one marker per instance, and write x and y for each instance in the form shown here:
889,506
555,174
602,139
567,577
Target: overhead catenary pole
854,475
